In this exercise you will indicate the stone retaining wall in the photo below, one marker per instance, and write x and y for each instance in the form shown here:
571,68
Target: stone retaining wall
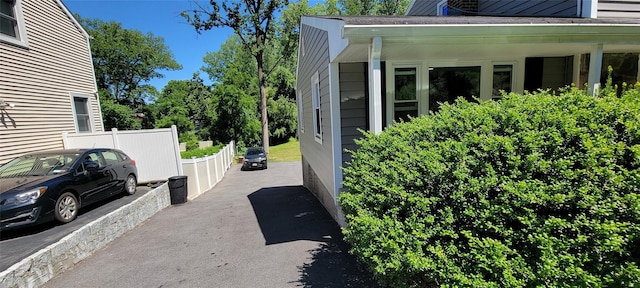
53,260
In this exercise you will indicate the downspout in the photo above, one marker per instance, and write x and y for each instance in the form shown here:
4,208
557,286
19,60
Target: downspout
375,86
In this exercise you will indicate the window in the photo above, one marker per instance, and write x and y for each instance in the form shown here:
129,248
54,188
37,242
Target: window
626,69
502,80
91,158
11,24
446,84
300,113
317,111
82,114
443,8
110,157
405,100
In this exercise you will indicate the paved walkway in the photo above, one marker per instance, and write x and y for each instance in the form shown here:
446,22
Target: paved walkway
253,229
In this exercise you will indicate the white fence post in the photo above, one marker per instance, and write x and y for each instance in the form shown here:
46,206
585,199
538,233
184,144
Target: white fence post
114,137
176,148
195,169
65,144
224,156
206,162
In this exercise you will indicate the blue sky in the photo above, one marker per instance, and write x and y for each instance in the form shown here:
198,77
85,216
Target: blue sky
162,18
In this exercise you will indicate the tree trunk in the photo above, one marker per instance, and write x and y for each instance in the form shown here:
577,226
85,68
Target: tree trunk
263,103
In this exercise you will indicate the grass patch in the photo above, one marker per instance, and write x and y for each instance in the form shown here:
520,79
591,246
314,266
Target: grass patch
286,152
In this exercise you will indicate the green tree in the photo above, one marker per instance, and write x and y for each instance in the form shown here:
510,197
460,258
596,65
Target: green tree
282,120
231,54
392,7
252,21
365,7
183,101
125,60
236,117
116,115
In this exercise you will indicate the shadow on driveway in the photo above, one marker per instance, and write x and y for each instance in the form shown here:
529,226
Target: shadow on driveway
292,213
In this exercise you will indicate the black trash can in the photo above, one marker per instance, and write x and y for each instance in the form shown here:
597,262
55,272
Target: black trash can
178,189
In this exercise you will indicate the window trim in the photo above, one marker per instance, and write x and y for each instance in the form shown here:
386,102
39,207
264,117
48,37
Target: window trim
300,112
88,97
513,76
391,90
442,8
317,107
22,39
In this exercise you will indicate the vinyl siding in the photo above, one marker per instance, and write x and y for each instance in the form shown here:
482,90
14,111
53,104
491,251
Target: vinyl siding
555,8
618,8
38,79
313,57
424,8
353,105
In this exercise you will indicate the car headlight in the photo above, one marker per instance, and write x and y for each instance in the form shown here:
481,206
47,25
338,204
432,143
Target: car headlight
28,196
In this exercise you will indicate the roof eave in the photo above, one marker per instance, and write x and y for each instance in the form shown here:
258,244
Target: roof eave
573,32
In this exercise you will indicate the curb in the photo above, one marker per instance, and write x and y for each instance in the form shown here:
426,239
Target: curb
61,256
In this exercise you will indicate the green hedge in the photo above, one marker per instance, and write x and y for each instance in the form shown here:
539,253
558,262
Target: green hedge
530,191
199,153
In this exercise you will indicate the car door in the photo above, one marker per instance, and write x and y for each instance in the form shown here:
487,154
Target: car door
92,177
116,168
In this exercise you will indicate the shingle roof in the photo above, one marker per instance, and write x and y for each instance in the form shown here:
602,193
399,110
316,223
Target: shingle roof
476,20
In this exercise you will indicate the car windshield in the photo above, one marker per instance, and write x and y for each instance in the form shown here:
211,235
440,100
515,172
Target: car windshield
38,165
254,152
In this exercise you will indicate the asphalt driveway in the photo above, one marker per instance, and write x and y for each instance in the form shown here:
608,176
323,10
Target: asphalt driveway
254,229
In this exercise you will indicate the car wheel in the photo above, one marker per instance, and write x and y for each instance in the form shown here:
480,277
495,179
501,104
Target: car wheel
130,185
66,207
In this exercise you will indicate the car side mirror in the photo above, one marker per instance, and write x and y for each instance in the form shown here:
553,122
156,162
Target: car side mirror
91,166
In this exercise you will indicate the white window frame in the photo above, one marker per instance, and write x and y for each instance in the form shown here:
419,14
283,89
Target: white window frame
88,97
317,107
514,66
300,112
391,91
21,37
441,5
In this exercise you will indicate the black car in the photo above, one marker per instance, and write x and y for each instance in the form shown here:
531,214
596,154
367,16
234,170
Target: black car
53,185
255,158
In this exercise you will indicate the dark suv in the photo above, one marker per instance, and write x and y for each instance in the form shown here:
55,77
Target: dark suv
255,158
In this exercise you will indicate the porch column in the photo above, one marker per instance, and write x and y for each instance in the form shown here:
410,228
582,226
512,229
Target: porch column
595,66
375,86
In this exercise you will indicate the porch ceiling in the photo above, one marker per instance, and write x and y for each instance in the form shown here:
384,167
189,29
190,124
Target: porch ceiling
488,41
411,51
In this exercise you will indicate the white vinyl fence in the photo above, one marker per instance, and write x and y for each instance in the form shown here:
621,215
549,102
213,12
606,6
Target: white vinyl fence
157,156
156,151
204,173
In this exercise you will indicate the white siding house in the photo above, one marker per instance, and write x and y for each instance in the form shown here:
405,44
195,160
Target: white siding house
368,72
47,84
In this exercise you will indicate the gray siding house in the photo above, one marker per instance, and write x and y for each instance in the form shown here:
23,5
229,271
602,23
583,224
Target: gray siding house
47,84
536,8
360,72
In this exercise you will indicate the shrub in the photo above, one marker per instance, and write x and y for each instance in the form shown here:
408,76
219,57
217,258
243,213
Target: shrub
534,190
199,153
190,139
